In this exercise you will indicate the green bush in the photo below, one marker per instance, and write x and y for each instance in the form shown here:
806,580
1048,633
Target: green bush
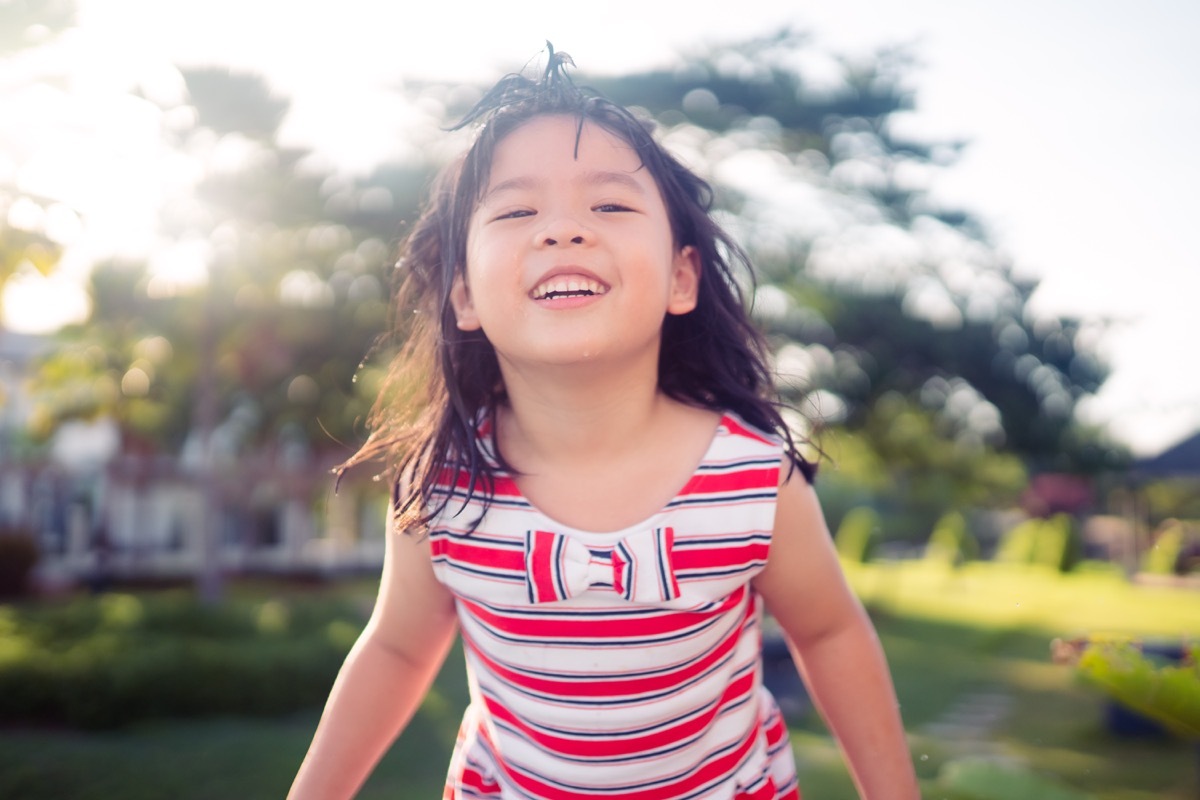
1053,542
1017,545
858,534
105,662
1167,693
952,541
1167,555
18,556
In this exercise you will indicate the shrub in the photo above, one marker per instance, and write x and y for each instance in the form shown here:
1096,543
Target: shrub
18,556
101,663
1172,544
952,541
1168,693
1053,542
1018,543
858,534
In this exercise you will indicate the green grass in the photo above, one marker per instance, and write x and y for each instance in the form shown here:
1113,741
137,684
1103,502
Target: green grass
946,633
989,627
1093,600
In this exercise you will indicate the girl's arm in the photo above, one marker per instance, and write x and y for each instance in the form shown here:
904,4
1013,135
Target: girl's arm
385,676
835,647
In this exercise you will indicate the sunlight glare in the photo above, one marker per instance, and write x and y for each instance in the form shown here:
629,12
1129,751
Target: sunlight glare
179,268
38,304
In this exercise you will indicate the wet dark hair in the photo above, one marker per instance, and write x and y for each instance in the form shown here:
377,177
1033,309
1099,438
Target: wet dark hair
443,381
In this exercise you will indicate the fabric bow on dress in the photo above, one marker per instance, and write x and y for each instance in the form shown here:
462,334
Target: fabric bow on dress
638,568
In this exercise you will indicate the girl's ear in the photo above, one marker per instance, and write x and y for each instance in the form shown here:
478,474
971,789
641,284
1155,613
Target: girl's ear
464,308
685,281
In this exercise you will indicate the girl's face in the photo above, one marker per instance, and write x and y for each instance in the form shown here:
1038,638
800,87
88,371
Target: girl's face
570,255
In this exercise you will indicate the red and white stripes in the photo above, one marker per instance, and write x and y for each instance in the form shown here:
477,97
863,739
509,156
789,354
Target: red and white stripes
622,664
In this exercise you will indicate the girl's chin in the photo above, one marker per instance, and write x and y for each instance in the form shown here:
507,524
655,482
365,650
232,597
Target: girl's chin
570,355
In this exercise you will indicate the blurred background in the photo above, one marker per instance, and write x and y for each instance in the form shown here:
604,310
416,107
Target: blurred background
969,226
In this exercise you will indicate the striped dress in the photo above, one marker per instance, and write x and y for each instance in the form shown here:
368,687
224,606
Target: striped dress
623,664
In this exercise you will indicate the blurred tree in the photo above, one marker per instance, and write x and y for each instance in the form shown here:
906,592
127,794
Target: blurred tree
24,243
242,334
1013,383
1168,498
889,314
23,247
130,361
253,321
886,290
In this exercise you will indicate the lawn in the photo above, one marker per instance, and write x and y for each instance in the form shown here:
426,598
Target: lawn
971,642
984,632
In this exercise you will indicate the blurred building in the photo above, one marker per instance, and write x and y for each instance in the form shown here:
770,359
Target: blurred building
99,514
17,352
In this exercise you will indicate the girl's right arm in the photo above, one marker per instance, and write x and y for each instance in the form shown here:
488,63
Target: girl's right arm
385,676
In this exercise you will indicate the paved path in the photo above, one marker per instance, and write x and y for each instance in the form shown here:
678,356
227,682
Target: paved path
973,717
966,727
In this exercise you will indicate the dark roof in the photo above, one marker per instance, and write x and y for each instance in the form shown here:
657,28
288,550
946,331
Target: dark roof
1181,459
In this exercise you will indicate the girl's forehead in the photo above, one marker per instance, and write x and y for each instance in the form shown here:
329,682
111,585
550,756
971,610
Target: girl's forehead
554,142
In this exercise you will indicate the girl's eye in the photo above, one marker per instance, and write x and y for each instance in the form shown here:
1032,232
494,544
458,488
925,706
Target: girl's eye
523,212
609,208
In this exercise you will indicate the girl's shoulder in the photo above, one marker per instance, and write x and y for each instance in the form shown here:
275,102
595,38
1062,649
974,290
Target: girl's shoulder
748,435
743,435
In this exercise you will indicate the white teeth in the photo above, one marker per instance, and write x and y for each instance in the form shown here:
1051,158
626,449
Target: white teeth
568,286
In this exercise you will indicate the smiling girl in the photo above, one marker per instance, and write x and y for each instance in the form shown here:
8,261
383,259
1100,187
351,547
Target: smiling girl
598,491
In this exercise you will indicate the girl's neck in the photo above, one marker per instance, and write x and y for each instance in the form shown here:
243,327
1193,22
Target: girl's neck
569,414
600,455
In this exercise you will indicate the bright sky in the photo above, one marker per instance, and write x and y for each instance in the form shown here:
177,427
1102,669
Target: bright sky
1082,116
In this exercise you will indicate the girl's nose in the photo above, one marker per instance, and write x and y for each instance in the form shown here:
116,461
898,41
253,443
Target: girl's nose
562,230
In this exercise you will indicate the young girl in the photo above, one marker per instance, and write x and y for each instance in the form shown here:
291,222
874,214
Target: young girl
597,491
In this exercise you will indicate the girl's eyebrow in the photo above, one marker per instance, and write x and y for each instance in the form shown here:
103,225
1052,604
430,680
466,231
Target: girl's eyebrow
599,177
605,176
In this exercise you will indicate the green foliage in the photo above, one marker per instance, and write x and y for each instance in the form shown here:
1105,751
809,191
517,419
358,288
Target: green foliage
908,455
946,636
875,335
858,535
993,358
109,661
21,248
19,554
1019,543
1053,542
1172,498
298,270
1166,555
286,298
24,25
1169,693
977,778
952,541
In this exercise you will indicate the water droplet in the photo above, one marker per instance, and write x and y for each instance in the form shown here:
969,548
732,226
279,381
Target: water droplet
924,756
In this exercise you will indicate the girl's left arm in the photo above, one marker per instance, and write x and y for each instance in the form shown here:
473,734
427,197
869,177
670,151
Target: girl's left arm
835,646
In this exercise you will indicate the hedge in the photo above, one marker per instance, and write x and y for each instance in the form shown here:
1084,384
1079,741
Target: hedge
106,662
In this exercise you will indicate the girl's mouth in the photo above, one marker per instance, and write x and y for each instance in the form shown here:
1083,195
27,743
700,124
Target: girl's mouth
568,287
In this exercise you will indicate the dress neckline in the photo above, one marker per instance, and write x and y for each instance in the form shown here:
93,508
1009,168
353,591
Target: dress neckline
723,426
